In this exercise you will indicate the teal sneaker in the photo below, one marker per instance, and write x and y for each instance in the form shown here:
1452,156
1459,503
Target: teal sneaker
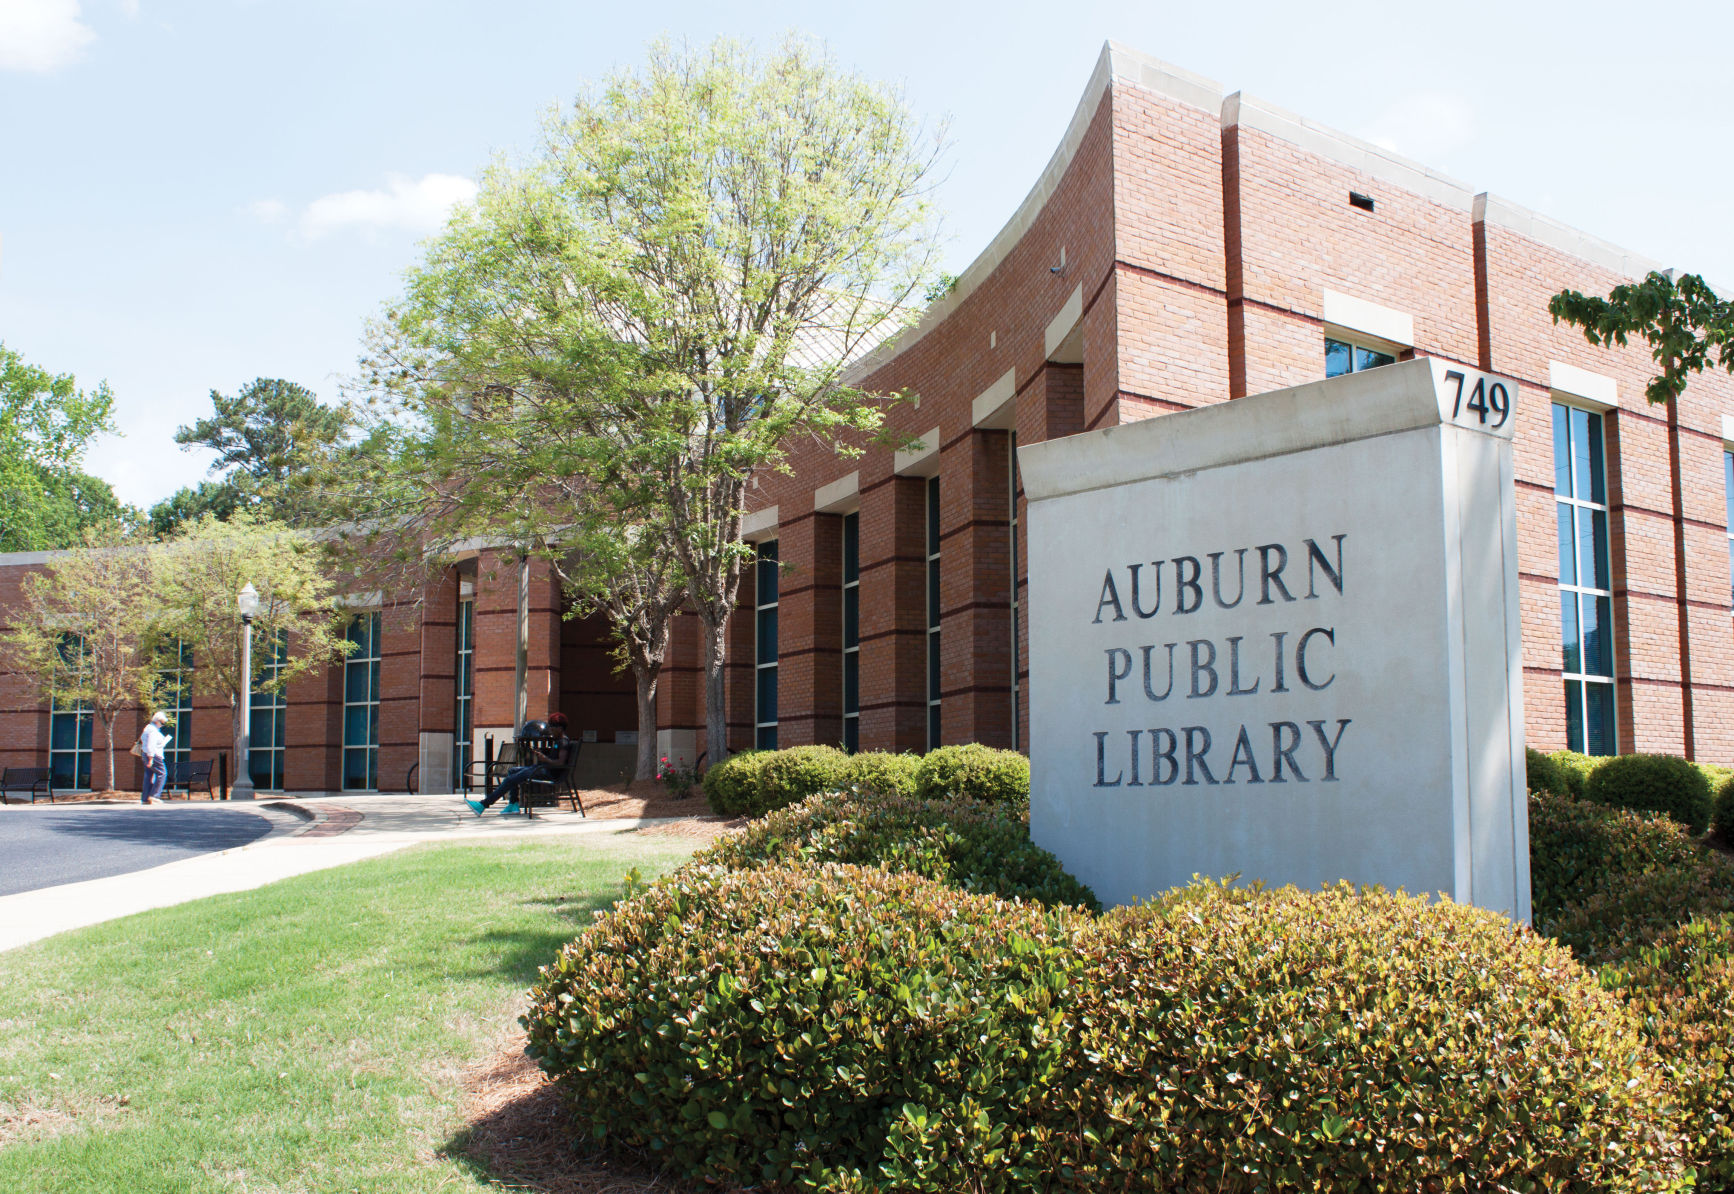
511,809
475,806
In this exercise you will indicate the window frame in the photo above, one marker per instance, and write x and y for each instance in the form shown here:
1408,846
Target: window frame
83,720
851,597
355,661
1370,345
464,692
765,562
1576,690
931,602
177,702
270,711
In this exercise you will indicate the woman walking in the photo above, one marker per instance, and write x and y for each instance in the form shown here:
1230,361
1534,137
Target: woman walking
151,743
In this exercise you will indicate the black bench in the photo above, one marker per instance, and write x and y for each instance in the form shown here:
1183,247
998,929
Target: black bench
190,774
547,791
38,781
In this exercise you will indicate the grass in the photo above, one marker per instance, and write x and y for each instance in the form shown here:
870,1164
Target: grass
308,1036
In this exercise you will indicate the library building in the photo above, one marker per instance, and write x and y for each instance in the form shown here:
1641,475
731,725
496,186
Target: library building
1181,247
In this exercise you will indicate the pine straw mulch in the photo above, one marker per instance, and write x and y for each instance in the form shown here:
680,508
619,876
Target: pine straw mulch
651,799
519,1132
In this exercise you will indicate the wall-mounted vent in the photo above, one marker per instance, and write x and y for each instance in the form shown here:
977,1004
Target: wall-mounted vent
1364,202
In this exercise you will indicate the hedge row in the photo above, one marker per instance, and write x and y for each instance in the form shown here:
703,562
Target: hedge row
841,1028
1683,790
968,844
1635,894
758,782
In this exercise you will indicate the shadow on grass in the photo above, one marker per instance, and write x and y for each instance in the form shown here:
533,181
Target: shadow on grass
518,954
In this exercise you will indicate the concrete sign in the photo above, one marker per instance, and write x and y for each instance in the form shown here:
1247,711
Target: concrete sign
1279,637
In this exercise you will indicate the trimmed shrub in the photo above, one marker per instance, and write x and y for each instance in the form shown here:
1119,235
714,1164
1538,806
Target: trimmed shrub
1574,770
1631,912
1543,773
1653,783
979,847
789,776
831,1028
974,771
1681,989
732,785
883,773
1722,820
842,1028
1344,1040
1578,850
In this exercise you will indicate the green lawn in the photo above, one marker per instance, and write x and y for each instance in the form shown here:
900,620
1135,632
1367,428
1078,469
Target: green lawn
308,1036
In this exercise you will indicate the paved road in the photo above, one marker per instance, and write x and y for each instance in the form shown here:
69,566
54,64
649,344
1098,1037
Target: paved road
45,847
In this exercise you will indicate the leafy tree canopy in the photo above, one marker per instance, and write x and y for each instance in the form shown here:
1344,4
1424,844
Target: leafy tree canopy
269,438
1688,328
46,423
662,302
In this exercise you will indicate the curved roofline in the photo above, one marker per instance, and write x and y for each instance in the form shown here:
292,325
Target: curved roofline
1116,63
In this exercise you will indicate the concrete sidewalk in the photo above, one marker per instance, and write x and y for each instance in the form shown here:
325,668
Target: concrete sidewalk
330,837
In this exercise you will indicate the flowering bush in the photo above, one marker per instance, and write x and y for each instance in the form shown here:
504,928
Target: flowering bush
679,779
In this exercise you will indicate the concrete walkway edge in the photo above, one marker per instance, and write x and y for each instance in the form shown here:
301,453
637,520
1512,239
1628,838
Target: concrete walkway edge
381,829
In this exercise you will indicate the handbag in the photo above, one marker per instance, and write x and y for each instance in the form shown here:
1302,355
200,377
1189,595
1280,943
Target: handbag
137,750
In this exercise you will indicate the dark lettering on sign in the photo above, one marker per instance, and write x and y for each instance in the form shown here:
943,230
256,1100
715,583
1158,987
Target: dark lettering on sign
1156,569
1486,398
1183,755
1234,665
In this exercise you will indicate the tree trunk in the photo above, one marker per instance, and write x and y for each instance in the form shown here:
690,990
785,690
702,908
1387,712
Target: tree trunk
716,729
108,732
645,679
521,686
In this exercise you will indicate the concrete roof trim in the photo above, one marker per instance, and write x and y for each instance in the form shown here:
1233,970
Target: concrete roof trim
1373,160
1117,64
1491,209
19,559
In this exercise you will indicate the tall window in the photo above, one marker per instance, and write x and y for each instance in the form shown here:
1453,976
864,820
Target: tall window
765,641
466,686
851,632
1011,473
1585,581
1728,491
70,725
177,700
1343,357
361,705
932,612
270,716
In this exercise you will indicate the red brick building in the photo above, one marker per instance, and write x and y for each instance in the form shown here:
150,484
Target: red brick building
1180,247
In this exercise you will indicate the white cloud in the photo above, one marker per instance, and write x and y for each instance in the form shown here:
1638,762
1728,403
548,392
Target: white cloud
267,211
41,35
129,7
414,205
1424,125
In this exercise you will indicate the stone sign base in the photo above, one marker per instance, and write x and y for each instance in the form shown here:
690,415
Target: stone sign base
1278,638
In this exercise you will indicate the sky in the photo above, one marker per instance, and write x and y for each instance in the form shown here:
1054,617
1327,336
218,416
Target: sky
194,194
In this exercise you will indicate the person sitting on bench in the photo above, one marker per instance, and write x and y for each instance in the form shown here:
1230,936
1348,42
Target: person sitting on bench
551,734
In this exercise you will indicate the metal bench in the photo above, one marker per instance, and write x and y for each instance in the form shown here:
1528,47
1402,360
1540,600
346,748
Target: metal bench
38,781
189,774
547,791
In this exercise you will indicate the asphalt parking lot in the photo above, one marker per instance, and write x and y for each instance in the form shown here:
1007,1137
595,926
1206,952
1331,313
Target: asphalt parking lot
47,846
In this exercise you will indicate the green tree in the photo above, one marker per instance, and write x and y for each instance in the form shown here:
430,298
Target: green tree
1688,328
671,292
219,499
201,571
87,627
270,438
46,423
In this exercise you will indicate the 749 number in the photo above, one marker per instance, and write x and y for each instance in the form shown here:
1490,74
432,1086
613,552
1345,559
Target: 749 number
1484,400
